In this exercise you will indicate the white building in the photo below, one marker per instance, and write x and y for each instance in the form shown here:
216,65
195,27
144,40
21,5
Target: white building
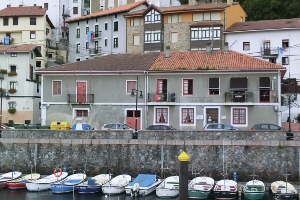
276,41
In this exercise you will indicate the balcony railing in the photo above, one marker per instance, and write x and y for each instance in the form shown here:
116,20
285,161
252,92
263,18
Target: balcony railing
273,51
66,13
165,97
80,98
97,34
94,51
238,96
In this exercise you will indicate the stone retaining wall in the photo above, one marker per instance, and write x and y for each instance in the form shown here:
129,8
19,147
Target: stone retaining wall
266,153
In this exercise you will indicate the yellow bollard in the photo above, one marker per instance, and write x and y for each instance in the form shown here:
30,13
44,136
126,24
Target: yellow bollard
240,193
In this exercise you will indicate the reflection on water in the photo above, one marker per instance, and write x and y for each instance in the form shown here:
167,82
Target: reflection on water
6,194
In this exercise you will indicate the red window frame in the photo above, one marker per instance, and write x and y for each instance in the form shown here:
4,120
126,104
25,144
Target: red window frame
56,87
187,116
130,86
239,115
187,86
161,115
82,113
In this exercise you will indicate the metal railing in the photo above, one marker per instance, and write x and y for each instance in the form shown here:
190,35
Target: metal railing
234,96
273,51
94,51
165,97
97,34
80,98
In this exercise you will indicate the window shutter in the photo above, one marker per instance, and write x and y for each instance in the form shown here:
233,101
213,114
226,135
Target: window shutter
216,16
238,83
264,82
213,83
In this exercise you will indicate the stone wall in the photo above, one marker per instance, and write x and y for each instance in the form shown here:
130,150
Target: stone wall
266,153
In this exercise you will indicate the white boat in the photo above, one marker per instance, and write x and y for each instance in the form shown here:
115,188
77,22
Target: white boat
200,187
142,185
45,183
225,189
116,185
168,188
283,190
8,177
68,184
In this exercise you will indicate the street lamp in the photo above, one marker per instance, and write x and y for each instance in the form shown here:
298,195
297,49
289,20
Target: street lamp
289,133
134,93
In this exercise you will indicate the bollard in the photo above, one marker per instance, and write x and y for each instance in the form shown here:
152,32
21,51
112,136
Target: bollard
234,176
183,175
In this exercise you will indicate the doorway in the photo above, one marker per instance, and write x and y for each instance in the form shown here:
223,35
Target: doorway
212,115
130,119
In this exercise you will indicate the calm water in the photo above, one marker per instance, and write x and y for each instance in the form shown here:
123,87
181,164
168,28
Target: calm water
6,194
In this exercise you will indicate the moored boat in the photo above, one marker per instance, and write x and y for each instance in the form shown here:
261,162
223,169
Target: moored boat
200,187
20,183
69,184
168,188
93,185
8,177
116,185
254,189
283,190
225,189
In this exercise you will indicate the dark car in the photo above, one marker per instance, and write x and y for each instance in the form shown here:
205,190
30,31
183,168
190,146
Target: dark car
271,127
160,127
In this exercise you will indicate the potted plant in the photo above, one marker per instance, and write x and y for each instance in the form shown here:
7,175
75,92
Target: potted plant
3,71
12,74
12,90
11,110
2,89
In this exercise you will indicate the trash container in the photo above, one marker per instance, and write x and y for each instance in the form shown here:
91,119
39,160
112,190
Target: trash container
60,126
81,127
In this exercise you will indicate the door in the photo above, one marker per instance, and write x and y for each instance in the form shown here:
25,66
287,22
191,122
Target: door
267,48
212,115
162,88
130,119
96,47
81,92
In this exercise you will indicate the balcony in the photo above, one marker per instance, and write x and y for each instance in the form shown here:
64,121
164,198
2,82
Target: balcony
66,13
95,51
97,34
80,98
270,52
238,96
165,97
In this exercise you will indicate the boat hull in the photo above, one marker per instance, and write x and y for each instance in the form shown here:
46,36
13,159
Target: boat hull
3,184
144,191
36,187
254,195
16,185
87,189
225,195
113,190
167,193
61,188
285,196
198,194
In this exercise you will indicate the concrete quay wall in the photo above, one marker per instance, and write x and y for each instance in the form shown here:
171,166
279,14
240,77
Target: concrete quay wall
267,154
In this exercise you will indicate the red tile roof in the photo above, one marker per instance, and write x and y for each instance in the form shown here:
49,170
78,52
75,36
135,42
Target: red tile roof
119,9
199,60
264,25
23,11
206,23
17,48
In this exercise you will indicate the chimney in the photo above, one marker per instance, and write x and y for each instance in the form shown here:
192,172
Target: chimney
193,2
229,2
225,48
208,48
167,54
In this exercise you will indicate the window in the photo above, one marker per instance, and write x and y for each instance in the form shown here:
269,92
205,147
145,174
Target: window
174,37
136,40
285,60
116,15
285,43
38,63
12,105
77,59
130,85
161,115
105,42
15,20
8,5
13,68
152,17
105,26
12,84
46,5
213,86
246,46
75,10
32,35
239,115
77,48
82,113
75,1
272,60
187,115
135,22
264,89
86,45
115,42
206,33
32,21
27,121
174,18
187,86
78,33
32,55
56,87
47,31
239,87
50,55
5,21
13,54
87,29
116,26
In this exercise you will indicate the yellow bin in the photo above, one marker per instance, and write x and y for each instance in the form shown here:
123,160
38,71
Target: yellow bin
60,126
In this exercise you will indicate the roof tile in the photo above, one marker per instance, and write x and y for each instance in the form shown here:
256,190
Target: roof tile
17,48
23,11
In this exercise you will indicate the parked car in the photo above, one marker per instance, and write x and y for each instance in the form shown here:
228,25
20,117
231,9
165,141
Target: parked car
160,127
271,127
218,127
115,126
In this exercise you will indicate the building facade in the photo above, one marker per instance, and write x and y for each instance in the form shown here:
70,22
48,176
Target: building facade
182,89
20,87
100,33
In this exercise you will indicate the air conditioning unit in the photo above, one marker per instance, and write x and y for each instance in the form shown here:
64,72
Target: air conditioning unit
158,97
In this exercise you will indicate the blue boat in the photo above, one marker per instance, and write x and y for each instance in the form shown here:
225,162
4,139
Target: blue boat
94,184
69,184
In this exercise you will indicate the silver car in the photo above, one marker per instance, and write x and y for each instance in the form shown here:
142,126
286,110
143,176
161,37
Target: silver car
115,126
218,126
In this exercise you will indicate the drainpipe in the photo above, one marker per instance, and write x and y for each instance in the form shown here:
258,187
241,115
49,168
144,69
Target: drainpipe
112,35
279,99
146,98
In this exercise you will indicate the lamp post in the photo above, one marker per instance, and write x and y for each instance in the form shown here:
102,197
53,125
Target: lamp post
134,93
2,92
289,133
